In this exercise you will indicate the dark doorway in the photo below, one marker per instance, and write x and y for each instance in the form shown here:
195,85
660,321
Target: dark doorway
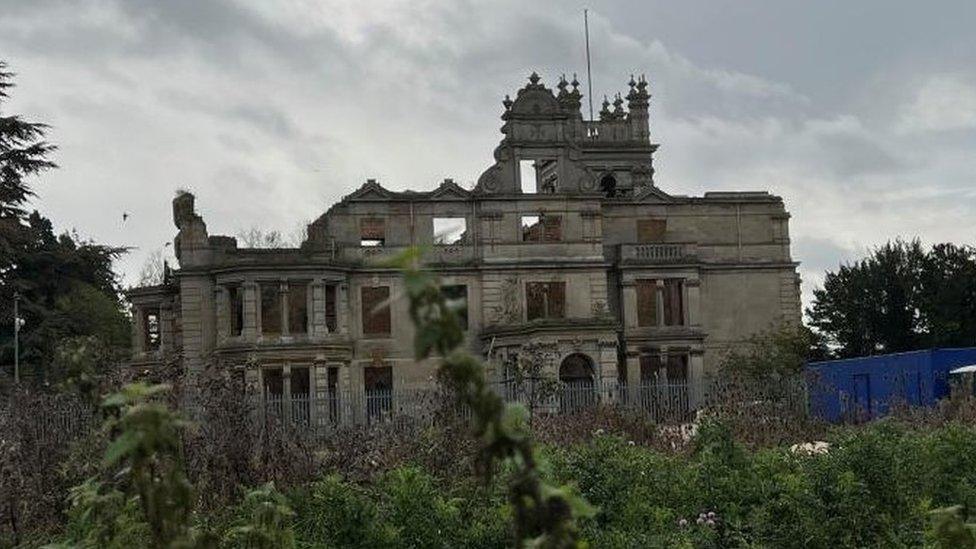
576,377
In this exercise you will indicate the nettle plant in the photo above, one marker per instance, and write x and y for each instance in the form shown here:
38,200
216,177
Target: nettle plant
544,516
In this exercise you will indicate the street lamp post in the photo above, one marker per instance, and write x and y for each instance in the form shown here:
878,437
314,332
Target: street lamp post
17,324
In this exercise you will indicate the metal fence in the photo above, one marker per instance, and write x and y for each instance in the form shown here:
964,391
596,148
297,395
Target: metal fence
665,403
321,414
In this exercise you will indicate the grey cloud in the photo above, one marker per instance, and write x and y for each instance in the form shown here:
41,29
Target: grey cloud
270,111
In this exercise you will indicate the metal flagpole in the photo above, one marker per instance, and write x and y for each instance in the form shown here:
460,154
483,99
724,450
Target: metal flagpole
589,77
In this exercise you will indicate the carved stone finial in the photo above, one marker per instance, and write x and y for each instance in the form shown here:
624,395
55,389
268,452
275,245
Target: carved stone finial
534,78
575,82
632,83
507,102
562,83
605,113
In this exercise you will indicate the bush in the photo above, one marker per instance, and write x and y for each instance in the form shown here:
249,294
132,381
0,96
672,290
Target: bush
333,513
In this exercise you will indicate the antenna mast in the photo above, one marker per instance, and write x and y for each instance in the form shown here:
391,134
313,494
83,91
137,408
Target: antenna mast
589,78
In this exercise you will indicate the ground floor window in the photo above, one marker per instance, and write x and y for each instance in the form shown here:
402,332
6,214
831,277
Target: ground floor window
664,389
378,384
287,392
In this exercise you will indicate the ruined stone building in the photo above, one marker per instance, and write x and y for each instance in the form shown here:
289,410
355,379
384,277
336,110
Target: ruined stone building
566,240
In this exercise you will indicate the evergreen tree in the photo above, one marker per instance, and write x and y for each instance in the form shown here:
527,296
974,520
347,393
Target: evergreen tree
66,285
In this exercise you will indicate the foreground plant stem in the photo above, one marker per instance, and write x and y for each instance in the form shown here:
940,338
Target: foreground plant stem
544,515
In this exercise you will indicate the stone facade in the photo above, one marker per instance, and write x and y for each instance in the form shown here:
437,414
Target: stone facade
565,240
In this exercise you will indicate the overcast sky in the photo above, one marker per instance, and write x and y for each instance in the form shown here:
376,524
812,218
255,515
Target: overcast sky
862,115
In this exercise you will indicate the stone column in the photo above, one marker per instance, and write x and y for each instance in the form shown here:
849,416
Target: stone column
693,302
629,298
659,302
283,304
165,328
196,299
696,377
607,350
252,311
342,308
351,396
222,305
320,394
318,325
138,331
633,376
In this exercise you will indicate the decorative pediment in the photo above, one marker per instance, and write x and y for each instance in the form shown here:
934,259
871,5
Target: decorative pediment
533,102
650,193
371,190
449,190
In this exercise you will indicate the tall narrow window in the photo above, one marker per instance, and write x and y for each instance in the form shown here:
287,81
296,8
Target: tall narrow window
677,368
300,394
271,308
646,302
274,384
378,382
548,176
608,186
545,300
376,310
457,296
673,302
298,307
449,230
330,308
150,329
528,176
542,228
333,394
651,369
235,303
372,231
650,231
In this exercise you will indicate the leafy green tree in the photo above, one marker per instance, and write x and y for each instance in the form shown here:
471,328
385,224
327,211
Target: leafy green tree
900,298
948,296
780,352
66,285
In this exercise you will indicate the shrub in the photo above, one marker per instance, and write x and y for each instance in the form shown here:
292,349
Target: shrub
418,510
333,513
265,521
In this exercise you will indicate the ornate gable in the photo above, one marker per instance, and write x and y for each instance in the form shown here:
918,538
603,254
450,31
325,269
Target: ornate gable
652,194
449,190
370,190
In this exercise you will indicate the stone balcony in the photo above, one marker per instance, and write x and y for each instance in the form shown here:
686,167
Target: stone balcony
658,254
449,254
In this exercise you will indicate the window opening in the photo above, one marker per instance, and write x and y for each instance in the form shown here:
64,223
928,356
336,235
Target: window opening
449,230
298,307
270,309
528,175
372,232
457,296
151,329
235,300
376,310
545,300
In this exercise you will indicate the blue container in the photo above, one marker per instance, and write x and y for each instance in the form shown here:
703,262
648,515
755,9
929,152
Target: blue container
866,387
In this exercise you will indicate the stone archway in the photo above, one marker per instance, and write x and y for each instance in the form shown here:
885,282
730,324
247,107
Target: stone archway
576,368
576,375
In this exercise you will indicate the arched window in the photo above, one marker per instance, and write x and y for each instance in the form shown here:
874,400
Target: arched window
608,186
